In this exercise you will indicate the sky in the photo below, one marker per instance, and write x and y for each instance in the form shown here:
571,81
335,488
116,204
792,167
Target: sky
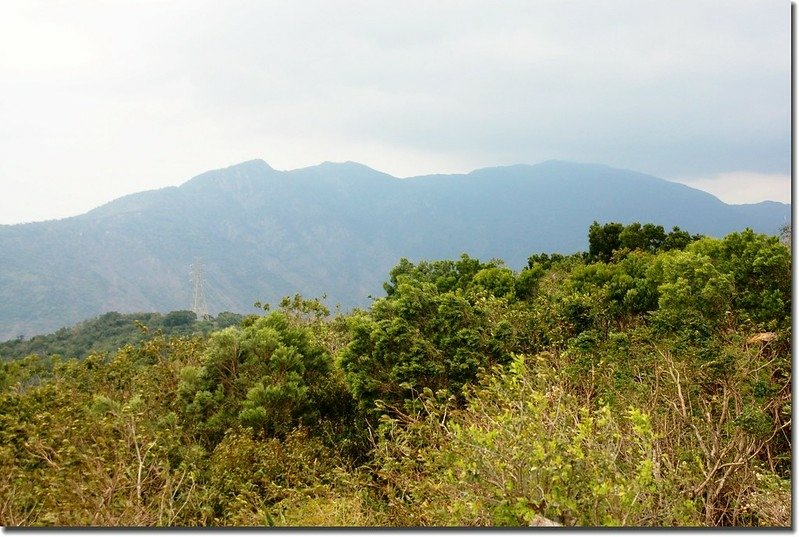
103,98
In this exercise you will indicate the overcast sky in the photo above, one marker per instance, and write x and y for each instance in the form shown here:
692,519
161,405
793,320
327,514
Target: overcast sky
102,98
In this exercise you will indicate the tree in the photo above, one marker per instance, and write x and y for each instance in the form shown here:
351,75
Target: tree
269,376
760,269
692,291
440,324
678,239
648,238
446,275
499,282
179,318
603,240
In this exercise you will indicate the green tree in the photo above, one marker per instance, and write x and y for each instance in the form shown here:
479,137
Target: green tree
435,329
677,239
270,376
760,269
692,291
603,240
446,275
178,318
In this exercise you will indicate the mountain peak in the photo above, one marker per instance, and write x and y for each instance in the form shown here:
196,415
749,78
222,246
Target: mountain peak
579,165
251,165
249,169
348,165
348,169
254,163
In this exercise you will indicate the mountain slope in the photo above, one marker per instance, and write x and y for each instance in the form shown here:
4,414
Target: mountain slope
335,228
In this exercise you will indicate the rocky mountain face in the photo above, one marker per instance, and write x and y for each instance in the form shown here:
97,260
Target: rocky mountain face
335,228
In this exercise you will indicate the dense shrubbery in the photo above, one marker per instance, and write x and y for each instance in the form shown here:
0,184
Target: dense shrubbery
439,325
646,382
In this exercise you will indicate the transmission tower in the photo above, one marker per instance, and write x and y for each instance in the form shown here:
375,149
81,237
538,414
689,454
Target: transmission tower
199,305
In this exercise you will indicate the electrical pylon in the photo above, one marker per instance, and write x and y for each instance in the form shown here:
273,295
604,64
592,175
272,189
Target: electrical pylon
199,305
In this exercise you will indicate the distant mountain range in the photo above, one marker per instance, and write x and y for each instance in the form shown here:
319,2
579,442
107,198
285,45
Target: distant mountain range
335,228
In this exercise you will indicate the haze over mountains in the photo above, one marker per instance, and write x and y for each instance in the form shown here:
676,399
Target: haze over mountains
335,228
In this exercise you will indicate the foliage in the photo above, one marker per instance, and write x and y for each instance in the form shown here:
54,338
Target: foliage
113,330
604,240
439,325
269,376
522,448
445,275
649,385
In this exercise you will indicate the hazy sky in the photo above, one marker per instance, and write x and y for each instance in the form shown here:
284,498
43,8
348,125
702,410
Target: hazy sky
102,98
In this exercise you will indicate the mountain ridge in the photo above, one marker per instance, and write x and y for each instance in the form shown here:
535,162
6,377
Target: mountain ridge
334,228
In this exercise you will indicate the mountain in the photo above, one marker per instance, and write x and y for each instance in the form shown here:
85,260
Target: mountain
335,228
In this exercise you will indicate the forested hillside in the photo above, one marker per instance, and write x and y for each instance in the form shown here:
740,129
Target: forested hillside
643,382
332,229
113,330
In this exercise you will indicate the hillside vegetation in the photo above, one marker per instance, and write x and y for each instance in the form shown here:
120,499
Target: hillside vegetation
645,382
112,330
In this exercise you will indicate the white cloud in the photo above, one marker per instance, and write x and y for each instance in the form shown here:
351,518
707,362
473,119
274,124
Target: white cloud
30,47
744,187
108,98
